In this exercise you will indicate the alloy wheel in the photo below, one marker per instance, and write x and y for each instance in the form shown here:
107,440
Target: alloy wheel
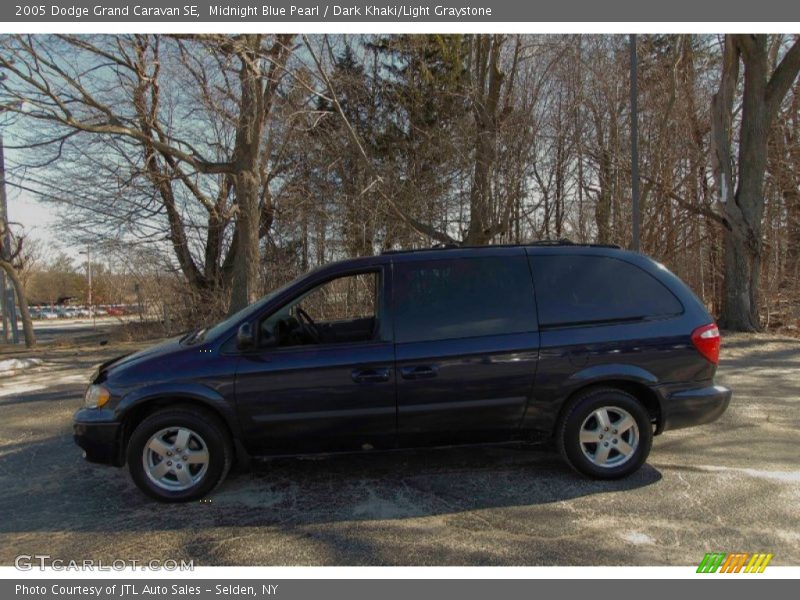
609,437
175,458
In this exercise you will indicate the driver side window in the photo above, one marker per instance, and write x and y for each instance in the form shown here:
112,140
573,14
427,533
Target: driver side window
341,310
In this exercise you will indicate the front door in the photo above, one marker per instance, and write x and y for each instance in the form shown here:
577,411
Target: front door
322,378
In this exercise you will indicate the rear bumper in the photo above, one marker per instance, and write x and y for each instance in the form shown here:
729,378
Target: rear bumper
98,439
697,406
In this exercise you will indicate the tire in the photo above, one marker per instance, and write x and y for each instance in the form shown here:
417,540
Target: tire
586,434
166,474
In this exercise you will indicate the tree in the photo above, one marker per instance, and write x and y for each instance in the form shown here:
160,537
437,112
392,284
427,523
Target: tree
470,70
115,92
11,263
741,191
240,162
490,92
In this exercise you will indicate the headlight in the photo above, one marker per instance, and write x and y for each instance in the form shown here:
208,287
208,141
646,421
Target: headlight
96,396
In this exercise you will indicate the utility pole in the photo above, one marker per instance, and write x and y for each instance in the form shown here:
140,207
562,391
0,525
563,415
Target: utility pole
89,273
8,304
634,143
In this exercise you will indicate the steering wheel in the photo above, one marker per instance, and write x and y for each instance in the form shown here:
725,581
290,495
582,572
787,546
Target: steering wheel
307,324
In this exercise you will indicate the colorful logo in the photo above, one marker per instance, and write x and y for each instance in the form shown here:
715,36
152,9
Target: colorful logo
737,562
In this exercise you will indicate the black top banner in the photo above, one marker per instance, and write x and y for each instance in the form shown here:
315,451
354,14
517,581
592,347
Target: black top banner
310,11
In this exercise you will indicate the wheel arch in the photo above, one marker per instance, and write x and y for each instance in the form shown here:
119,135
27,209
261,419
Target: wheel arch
635,387
139,409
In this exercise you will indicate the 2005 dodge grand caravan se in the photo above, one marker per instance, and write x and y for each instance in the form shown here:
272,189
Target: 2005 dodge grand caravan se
596,348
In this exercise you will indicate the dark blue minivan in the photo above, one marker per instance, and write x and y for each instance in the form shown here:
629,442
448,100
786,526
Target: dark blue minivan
593,347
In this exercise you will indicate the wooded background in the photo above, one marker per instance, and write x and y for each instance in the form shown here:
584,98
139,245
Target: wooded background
228,164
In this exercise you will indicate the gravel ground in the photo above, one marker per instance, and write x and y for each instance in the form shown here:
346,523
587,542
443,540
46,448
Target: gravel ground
730,486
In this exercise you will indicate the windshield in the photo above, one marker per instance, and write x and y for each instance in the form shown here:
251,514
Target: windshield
241,315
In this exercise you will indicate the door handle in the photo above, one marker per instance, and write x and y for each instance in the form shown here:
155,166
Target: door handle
371,375
419,372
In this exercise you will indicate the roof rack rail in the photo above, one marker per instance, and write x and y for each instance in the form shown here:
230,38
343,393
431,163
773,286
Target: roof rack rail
557,242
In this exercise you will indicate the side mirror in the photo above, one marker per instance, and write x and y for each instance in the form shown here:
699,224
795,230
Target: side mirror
244,338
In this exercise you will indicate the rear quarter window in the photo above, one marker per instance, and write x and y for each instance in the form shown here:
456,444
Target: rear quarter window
575,289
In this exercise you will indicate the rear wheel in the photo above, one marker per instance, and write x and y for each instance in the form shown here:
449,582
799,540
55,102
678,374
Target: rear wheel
605,433
177,455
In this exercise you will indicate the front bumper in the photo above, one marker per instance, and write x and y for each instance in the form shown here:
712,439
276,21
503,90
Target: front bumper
690,407
99,438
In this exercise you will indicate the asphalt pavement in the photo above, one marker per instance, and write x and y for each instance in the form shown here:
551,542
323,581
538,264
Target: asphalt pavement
730,486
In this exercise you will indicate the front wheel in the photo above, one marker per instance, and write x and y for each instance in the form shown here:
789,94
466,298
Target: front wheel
177,455
605,433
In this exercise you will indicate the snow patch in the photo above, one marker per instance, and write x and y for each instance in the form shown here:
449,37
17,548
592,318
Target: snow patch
782,476
10,365
378,507
637,538
16,390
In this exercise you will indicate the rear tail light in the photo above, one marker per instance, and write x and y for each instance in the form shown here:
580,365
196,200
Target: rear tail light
707,341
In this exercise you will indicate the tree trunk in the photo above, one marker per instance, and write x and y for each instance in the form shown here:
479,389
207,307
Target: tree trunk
250,180
247,178
245,268
486,101
27,324
739,300
745,213
744,210
602,211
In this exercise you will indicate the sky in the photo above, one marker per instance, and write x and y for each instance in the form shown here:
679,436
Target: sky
38,220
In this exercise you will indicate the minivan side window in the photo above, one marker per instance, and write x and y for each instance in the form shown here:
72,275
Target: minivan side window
341,310
575,289
461,298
